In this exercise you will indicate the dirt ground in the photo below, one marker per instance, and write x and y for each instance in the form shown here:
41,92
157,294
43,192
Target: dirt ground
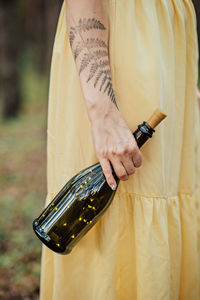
23,191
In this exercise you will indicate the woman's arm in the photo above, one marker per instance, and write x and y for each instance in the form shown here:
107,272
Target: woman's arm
88,30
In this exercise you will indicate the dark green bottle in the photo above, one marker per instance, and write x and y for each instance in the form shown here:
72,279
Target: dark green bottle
82,201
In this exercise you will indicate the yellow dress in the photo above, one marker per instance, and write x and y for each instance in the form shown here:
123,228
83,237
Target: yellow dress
147,244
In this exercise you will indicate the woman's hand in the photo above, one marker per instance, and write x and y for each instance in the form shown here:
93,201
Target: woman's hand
114,143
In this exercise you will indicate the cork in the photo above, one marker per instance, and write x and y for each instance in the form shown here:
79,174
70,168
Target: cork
156,118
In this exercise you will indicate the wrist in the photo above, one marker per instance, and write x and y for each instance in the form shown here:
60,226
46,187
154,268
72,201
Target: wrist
98,109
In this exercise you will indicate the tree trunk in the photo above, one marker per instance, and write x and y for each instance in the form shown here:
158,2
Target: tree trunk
9,48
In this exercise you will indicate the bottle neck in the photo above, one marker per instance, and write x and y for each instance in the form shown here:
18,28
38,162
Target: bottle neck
143,133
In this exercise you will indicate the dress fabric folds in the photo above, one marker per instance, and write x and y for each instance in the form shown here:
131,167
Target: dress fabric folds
147,244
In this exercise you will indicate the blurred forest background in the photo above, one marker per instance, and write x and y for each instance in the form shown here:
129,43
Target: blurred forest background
27,30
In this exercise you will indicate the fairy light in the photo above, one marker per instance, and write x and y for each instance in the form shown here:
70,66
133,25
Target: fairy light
65,224
76,194
81,186
91,199
86,183
80,219
93,207
56,208
43,215
89,178
90,206
84,220
73,236
58,245
89,222
91,171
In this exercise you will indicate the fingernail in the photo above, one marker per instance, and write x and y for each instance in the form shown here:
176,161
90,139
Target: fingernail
113,187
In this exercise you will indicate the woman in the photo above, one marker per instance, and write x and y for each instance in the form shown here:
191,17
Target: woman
113,63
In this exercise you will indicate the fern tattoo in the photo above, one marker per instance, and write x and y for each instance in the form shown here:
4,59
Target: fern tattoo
91,43
93,54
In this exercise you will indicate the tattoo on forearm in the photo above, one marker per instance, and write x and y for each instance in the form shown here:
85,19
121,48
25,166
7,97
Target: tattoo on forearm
93,55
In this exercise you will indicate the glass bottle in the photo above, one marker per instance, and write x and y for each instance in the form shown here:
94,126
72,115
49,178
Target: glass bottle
83,200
